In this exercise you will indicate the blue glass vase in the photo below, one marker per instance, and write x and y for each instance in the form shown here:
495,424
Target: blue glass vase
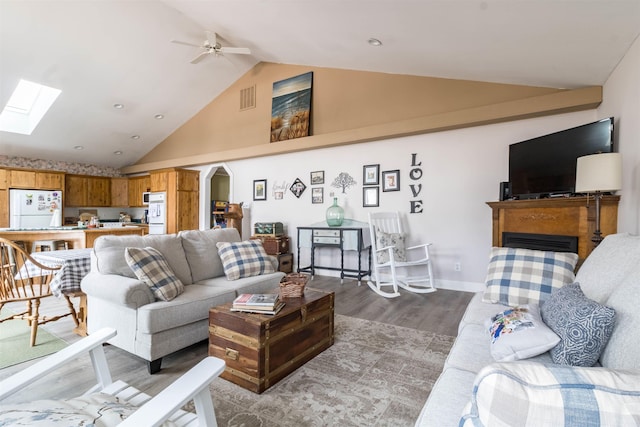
335,214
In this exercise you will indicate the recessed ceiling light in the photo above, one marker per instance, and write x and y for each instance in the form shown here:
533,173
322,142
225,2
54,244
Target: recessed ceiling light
78,147
135,136
117,153
159,116
374,42
118,106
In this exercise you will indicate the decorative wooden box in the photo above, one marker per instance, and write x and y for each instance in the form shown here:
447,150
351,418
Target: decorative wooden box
260,350
274,245
270,229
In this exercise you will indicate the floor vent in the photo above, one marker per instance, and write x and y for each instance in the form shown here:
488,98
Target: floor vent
248,98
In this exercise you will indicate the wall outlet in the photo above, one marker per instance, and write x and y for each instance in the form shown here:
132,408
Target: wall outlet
457,266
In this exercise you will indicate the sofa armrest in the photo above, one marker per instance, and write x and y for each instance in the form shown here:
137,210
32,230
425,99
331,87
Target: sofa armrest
533,394
117,289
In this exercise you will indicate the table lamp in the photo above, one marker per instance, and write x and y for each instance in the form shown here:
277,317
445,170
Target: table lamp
598,173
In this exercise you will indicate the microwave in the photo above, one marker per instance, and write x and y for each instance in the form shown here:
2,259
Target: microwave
145,198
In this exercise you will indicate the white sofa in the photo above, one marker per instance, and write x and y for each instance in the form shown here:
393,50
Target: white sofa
151,328
471,378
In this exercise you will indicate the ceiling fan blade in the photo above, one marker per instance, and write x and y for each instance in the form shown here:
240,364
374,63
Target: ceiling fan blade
185,43
212,38
199,57
240,50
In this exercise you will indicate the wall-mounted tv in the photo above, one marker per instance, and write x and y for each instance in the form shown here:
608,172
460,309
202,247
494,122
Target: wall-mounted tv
546,166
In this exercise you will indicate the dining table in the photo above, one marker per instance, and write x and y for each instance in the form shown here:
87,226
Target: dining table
74,265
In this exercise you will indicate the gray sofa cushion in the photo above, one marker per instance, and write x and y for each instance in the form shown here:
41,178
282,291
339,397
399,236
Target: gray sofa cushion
448,398
608,264
623,349
202,253
109,251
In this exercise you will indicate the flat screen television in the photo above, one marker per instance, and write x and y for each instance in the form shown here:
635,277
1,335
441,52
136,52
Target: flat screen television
546,166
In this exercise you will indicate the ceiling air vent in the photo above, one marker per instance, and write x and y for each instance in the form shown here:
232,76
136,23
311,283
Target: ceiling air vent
248,98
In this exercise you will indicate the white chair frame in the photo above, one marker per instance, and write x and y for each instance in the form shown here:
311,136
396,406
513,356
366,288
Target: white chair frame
193,385
394,273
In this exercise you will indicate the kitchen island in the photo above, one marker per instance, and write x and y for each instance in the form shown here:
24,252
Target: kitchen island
76,237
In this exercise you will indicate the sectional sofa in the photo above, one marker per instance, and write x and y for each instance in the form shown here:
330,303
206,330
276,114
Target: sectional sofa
154,321
475,390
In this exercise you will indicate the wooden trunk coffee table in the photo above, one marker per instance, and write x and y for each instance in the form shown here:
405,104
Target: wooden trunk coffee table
260,350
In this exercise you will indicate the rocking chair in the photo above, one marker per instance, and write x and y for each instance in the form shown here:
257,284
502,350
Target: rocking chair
393,263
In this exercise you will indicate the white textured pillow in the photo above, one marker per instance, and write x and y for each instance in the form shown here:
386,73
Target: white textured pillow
397,240
519,333
524,276
244,259
150,266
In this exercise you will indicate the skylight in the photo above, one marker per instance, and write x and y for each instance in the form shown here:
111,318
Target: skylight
26,107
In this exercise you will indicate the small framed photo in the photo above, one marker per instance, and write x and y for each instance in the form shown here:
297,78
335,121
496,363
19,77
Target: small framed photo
317,195
260,189
278,194
371,175
370,197
391,180
317,177
297,188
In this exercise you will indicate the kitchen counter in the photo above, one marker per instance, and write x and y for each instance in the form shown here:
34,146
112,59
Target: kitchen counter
78,237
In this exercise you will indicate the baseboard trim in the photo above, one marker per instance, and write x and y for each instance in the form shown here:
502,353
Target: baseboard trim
455,285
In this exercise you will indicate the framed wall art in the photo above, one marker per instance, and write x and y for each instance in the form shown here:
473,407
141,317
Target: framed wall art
317,177
370,197
391,180
297,188
260,189
317,195
371,175
291,108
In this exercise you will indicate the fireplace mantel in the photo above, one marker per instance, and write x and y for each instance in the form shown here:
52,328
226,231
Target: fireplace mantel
567,216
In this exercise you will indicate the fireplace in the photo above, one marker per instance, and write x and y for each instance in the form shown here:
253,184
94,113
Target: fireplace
541,242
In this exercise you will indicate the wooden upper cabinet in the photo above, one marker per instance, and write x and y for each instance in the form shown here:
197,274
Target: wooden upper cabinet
119,192
188,180
137,186
22,179
49,180
75,190
3,179
87,191
159,180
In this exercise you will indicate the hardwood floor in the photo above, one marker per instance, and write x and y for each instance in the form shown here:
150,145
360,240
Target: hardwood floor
437,312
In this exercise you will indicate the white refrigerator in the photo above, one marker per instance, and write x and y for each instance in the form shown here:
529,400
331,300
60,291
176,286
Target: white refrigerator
157,213
35,208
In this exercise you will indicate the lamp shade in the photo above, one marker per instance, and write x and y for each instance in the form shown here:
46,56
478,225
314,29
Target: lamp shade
599,172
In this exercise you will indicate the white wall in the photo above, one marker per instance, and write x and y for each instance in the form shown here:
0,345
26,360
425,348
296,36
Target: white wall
462,170
622,100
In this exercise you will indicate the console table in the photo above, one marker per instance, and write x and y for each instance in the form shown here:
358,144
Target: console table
568,216
350,236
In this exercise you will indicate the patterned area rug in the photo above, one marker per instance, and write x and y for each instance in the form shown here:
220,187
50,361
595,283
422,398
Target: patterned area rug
375,374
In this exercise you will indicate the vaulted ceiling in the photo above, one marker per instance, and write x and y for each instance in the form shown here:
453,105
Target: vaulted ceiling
106,52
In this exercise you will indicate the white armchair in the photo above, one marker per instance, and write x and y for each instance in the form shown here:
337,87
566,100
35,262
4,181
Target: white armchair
136,407
394,265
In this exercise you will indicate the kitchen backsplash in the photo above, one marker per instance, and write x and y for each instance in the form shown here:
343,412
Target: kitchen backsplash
68,167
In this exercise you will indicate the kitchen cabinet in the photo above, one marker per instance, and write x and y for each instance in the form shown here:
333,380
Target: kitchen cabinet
84,191
3,179
4,207
119,192
36,180
137,186
183,195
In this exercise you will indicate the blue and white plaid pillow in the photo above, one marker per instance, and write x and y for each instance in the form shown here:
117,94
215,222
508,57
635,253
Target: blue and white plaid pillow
524,276
150,266
244,259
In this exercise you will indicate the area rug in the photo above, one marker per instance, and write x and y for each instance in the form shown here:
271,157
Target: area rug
375,374
14,342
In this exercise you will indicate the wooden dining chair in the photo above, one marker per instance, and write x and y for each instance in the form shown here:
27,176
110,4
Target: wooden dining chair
22,278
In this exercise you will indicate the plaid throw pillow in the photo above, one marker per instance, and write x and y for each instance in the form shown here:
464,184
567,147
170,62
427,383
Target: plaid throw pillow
244,259
150,266
523,276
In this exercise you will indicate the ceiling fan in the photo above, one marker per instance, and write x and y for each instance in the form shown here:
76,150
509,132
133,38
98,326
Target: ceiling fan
211,46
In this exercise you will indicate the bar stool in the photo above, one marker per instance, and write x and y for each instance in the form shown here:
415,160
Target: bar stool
49,245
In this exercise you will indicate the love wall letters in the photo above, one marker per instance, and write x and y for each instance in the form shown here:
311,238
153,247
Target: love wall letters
415,174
